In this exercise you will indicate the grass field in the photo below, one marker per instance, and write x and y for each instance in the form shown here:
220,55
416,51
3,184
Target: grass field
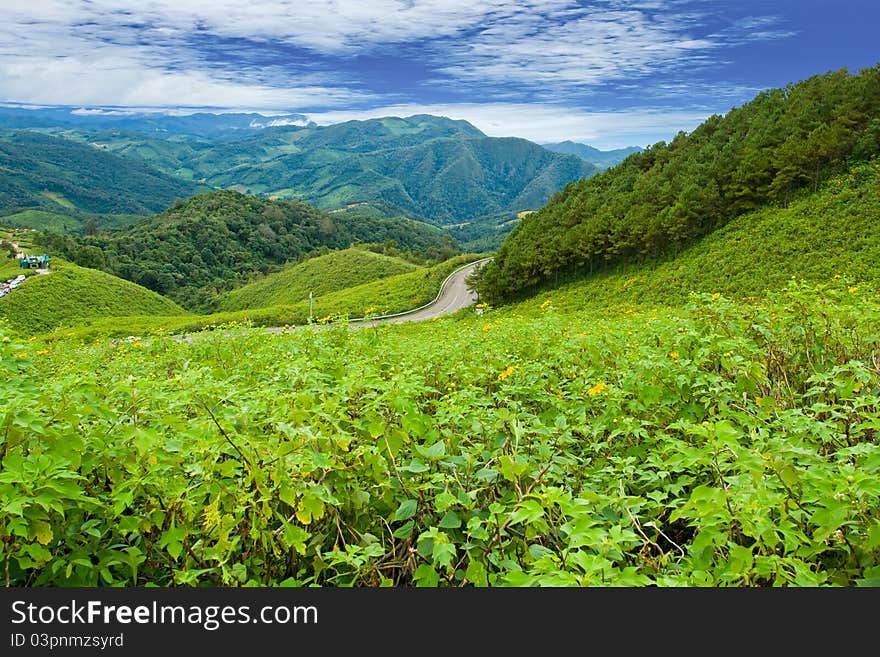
335,271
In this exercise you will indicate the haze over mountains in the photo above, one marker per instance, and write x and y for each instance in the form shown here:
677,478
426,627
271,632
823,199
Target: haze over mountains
602,159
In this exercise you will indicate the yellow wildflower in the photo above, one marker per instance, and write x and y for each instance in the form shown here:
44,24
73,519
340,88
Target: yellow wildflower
32,338
854,288
596,389
673,355
545,304
506,372
487,327
21,354
42,352
716,295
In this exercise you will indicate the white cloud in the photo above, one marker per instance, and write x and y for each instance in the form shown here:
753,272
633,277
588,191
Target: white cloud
167,47
547,123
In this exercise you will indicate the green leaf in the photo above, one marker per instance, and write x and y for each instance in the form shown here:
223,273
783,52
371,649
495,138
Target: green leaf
434,451
426,576
405,530
407,509
450,521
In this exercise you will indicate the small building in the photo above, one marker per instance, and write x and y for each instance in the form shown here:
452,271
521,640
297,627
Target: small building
34,262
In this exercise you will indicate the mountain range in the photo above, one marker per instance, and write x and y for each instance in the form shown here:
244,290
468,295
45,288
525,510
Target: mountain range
426,168
601,159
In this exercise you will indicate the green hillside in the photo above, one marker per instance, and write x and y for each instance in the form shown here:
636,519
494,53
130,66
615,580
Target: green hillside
831,234
425,167
61,176
783,143
214,242
72,294
320,275
384,296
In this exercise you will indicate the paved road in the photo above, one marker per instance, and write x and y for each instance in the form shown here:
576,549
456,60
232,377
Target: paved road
454,295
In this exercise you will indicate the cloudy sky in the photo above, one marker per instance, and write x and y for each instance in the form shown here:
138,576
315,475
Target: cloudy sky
610,73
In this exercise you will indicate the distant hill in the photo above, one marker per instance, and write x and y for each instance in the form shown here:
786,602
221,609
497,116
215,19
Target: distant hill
74,295
602,159
327,273
424,167
216,241
60,176
201,124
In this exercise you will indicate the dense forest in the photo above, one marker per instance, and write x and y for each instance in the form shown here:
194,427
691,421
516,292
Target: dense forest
214,242
784,142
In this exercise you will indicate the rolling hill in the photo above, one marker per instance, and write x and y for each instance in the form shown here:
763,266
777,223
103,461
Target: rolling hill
73,295
214,242
63,177
320,275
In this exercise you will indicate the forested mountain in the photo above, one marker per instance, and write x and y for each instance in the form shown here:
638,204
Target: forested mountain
60,175
213,242
784,142
424,167
602,159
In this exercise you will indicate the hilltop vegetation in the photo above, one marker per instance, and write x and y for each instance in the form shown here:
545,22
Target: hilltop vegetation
60,176
765,152
72,294
214,242
328,273
819,237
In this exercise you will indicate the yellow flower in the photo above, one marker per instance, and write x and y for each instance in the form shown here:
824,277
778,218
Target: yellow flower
545,304
596,389
716,295
42,352
487,327
482,305
138,344
507,372
21,354
854,288
32,338
673,355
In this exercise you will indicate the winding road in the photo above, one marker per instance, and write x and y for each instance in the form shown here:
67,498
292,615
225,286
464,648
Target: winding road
453,296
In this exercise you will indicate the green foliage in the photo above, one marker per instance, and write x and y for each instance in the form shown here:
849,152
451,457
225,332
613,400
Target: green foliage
335,271
423,167
783,143
721,444
61,176
214,242
832,233
72,294
384,296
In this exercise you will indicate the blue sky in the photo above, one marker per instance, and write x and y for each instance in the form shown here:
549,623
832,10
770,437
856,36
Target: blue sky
610,73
